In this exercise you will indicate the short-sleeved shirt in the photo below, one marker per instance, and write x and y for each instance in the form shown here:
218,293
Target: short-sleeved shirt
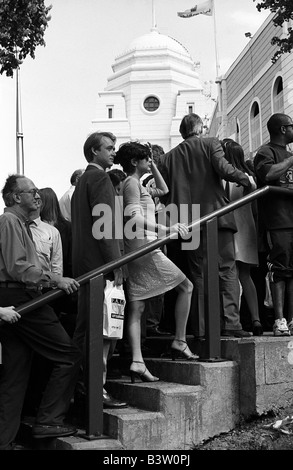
277,210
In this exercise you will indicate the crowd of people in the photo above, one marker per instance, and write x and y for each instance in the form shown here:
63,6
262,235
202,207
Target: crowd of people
47,244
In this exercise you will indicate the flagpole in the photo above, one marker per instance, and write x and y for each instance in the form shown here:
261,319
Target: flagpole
215,39
217,81
154,22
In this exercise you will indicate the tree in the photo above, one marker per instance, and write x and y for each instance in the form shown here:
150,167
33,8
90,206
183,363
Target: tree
284,12
22,27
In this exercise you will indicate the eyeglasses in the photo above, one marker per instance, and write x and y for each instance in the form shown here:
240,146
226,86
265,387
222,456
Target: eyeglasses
33,192
287,125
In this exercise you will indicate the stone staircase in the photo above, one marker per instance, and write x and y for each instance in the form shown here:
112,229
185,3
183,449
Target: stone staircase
193,401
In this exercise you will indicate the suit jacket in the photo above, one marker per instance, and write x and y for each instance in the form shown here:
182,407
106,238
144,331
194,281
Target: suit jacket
194,171
89,253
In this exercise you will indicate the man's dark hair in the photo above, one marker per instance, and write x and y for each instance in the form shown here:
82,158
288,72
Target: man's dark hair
75,176
276,121
118,174
10,187
94,141
190,125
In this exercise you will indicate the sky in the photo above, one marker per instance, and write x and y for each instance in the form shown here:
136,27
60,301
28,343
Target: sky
59,88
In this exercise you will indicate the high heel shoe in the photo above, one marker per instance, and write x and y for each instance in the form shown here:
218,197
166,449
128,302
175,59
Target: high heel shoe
145,375
257,329
178,354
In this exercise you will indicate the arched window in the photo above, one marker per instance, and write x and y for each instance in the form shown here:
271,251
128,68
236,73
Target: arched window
238,135
277,96
255,127
151,104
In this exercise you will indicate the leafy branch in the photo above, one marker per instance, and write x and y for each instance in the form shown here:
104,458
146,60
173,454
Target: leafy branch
284,13
22,27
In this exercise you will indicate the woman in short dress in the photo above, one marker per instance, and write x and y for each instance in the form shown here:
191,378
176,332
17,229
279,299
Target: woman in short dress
152,274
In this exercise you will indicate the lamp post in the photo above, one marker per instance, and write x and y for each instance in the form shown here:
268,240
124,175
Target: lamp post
19,133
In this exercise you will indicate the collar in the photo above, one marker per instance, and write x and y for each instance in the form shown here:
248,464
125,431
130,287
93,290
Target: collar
283,146
14,210
192,134
36,221
97,165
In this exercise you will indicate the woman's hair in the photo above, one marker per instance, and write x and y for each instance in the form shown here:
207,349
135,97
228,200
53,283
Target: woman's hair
235,155
131,151
50,209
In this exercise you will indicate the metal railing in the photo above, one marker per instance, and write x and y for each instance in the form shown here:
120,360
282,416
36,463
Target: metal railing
91,295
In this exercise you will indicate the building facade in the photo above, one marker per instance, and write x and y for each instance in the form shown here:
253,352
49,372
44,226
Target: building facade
154,84
253,89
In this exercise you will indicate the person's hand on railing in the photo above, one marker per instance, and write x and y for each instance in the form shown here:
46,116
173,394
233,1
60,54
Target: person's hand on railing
8,314
247,189
67,284
118,277
179,228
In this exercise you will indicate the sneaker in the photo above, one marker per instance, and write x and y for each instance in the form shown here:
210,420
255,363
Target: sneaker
290,327
280,328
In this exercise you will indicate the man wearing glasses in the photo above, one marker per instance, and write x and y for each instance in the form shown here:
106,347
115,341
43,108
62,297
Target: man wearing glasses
273,165
21,279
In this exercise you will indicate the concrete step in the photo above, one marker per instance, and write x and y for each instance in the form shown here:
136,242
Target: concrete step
79,442
76,442
149,396
154,423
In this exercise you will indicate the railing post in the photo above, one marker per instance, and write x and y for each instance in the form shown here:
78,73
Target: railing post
94,358
211,292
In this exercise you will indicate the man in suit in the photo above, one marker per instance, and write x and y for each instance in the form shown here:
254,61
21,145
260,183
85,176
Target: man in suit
89,253
193,172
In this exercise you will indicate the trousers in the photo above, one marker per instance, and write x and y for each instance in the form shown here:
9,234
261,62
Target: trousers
191,263
79,336
38,331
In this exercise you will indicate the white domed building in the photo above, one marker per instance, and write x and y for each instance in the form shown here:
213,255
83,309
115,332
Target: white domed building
154,84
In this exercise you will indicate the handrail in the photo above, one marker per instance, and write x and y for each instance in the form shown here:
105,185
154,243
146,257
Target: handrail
107,268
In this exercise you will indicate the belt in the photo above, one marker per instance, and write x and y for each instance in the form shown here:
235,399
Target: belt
17,285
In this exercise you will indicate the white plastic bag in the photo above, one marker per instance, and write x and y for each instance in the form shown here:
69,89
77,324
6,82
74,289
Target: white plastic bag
113,312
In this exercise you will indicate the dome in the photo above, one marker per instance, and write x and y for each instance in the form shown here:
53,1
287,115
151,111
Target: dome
155,40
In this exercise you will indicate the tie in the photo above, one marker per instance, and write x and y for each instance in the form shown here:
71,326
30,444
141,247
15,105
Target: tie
28,229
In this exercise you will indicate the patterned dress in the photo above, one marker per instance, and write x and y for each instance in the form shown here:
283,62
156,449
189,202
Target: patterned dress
154,273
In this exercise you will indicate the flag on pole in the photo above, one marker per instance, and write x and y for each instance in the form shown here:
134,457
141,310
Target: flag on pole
205,8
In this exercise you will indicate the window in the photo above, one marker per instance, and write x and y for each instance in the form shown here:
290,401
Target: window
190,108
255,127
238,136
151,104
278,98
110,112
